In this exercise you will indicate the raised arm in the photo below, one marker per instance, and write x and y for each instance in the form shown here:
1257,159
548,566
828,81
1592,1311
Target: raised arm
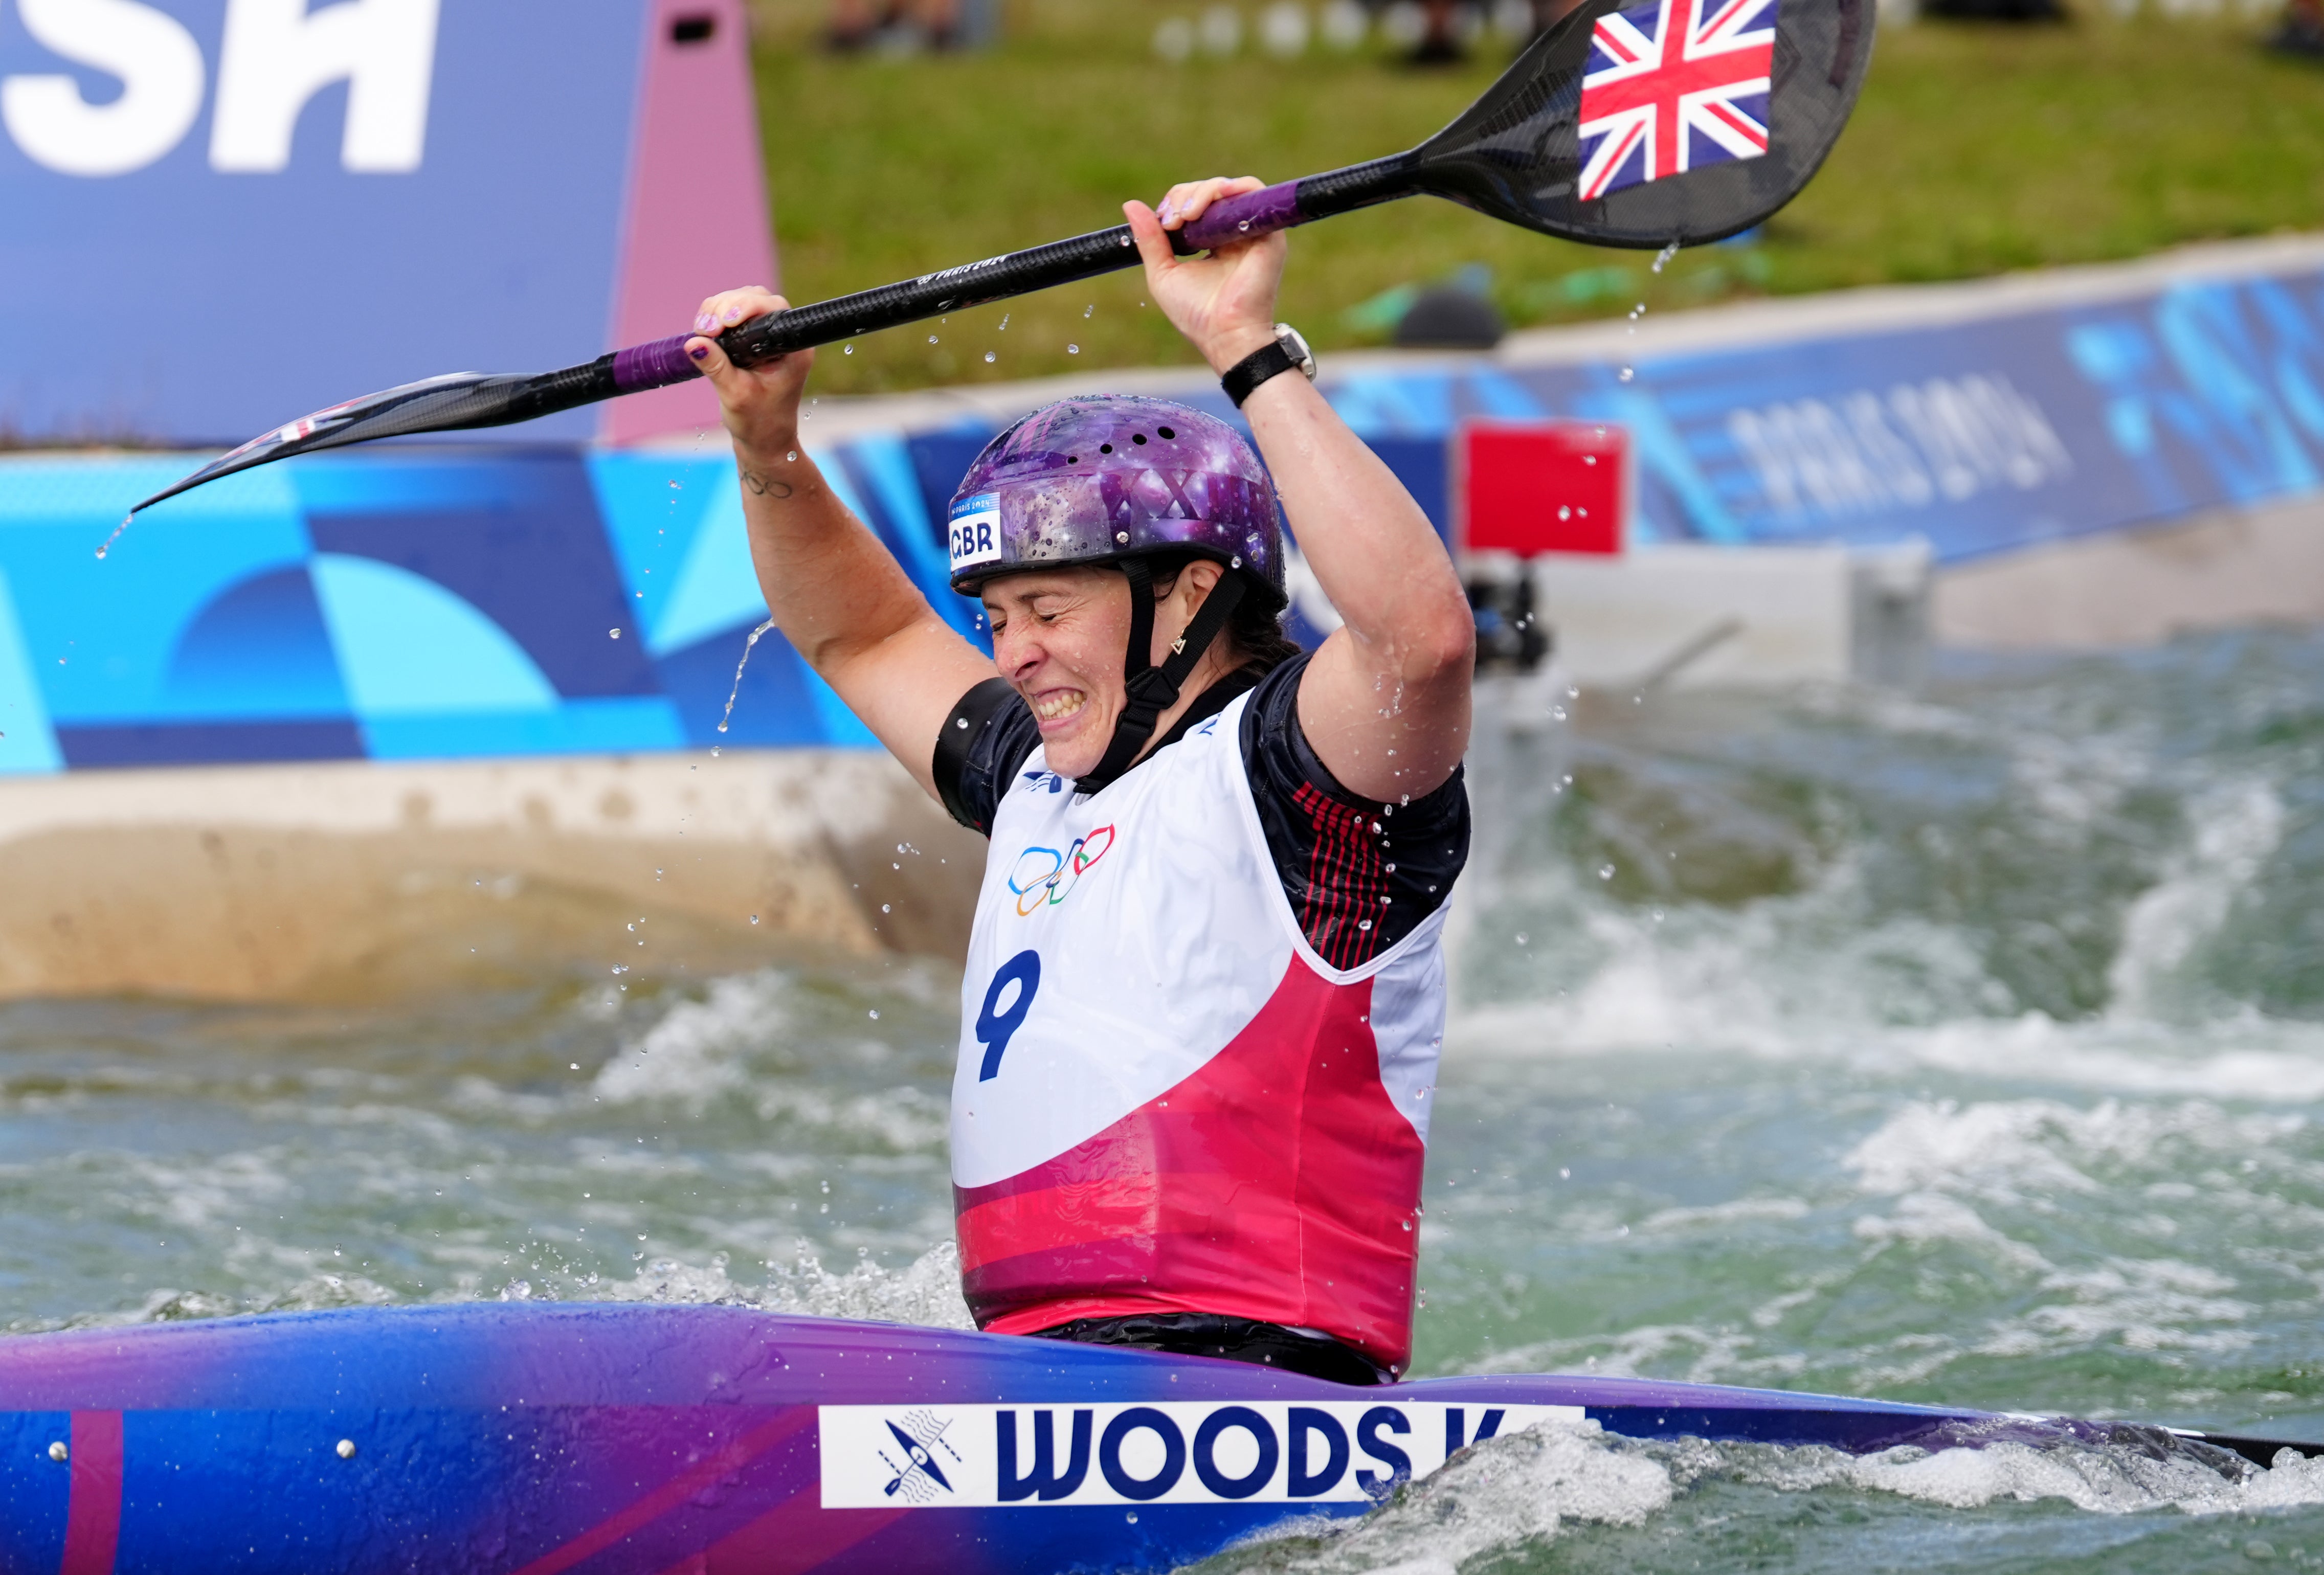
842,601
1385,702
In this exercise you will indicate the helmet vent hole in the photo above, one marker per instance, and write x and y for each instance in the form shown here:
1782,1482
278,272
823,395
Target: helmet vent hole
1166,433
1137,436
1105,448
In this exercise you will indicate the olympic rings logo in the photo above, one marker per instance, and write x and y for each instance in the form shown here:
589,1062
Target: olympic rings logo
1043,875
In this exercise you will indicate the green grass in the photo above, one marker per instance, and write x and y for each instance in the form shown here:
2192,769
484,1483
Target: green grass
1977,149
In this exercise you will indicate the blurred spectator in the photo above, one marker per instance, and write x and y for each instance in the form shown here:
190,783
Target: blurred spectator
1451,26
903,27
1996,10
2302,33
1441,44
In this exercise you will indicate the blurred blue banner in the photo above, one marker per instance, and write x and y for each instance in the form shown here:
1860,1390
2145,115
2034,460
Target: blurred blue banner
405,601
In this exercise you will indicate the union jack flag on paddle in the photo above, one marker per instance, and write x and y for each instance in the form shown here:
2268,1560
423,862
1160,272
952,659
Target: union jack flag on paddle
1672,86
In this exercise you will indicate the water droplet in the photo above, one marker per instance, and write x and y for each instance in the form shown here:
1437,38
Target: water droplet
875,1017
1088,309
1132,1516
1390,869
118,529
1589,459
1073,349
932,339
792,457
59,1454
730,694
847,349
883,908
1563,512
1628,373
1004,322
1236,562
1122,537
987,358
754,919
1605,872
1662,257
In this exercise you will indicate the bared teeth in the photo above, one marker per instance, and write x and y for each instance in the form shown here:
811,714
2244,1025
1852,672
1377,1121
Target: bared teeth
1057,706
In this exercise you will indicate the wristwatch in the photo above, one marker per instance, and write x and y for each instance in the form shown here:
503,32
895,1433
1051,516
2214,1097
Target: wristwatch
1289,350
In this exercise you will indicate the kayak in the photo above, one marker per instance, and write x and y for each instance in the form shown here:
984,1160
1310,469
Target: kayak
532,1438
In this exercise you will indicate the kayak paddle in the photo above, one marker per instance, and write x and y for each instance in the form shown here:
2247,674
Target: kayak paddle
1669,123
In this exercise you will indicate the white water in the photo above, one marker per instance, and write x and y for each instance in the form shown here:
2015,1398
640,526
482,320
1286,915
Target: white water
1967,1048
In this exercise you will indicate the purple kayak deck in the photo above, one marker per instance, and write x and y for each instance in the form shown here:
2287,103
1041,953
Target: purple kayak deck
600,1439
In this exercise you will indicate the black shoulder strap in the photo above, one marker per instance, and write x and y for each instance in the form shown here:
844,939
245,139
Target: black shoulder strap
1154,690
961,730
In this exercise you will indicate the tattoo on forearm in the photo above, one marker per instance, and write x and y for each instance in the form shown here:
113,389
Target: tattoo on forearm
765,486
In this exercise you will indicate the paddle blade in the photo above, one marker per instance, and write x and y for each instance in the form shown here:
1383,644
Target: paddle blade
449,403
1685,121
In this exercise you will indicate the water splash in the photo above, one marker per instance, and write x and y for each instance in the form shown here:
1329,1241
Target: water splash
1663,258
728,715
126,520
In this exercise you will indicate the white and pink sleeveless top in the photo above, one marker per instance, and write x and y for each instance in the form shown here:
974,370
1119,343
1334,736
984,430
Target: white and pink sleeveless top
1168,1101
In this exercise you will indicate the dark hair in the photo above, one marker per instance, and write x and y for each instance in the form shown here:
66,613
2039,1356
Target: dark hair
1256,627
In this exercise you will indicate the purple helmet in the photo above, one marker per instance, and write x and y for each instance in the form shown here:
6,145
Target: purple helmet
1102,477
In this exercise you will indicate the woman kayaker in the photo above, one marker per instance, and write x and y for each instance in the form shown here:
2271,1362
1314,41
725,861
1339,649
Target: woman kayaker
1205,992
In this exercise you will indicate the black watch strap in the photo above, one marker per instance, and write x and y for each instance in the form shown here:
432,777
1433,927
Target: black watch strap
1269,360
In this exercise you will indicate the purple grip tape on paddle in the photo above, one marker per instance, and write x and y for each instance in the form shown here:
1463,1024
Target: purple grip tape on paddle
1247,217
656,365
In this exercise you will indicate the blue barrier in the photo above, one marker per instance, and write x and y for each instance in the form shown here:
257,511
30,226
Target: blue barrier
451,601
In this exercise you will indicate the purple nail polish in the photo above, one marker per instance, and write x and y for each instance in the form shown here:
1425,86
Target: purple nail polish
700,352
706,324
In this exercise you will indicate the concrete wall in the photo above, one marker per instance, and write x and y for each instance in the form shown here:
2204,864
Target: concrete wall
348,880
2139,587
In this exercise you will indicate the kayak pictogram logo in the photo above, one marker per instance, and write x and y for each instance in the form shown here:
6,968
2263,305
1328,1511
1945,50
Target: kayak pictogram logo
1035,1454
1043,876
911,1456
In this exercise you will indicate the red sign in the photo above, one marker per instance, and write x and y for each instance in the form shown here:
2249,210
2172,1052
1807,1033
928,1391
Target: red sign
1531,487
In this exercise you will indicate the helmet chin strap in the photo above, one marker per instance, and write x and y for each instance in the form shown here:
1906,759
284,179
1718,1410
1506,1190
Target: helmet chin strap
1154,690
